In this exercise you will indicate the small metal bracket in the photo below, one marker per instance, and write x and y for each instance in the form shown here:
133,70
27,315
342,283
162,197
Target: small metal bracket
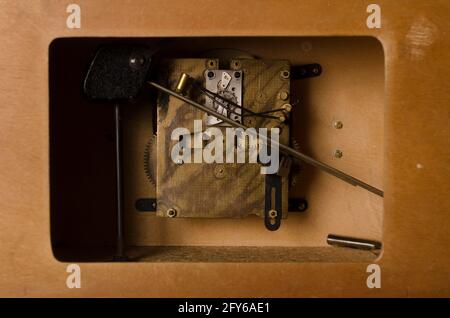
273,210
146,205
228,85
305,71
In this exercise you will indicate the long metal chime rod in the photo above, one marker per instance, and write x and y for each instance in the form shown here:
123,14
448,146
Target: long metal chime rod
120,249
283,148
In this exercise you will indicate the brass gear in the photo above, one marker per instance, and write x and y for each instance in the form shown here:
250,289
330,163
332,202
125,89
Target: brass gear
150,160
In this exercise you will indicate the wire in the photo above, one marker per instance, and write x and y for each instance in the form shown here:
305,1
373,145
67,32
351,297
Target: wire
215,97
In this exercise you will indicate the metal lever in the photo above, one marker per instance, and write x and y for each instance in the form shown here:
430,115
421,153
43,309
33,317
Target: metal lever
283,148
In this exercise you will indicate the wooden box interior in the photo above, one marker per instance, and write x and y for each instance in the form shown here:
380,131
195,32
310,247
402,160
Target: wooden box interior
82,177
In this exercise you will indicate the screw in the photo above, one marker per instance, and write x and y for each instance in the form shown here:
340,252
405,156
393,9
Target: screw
171,213
210,74
284,95
237,74
301,206
287,107
338,124
285,74
219,171
211,63
338,153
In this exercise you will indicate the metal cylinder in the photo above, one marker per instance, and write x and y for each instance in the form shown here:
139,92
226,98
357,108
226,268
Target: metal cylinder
182,83
345,241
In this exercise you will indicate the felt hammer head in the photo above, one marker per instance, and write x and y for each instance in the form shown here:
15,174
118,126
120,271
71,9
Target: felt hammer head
117,72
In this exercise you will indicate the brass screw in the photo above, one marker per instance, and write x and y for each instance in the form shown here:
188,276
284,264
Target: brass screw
211,64
171,213
273,214
338,153
287,107
284,95
219,171
338,124
285,74
236,65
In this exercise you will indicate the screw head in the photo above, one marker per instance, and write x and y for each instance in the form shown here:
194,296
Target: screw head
301,206
285,74
211,64
273,214
171,213
338,153
287,107
338,124
220,172
284,95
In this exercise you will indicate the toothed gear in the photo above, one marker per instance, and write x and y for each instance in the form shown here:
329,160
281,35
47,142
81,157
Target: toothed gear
150,160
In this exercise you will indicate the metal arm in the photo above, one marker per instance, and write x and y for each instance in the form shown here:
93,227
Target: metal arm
283,148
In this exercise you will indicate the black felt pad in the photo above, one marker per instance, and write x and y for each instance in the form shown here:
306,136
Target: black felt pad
117,72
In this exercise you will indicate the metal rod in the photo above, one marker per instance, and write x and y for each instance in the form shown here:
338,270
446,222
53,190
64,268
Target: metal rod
120,249
345,241
215,95
283,148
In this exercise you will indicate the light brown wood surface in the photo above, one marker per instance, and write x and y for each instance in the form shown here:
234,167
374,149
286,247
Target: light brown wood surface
351,89
415,259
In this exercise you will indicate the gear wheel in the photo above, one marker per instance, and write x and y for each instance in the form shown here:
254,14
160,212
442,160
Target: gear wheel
150,160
